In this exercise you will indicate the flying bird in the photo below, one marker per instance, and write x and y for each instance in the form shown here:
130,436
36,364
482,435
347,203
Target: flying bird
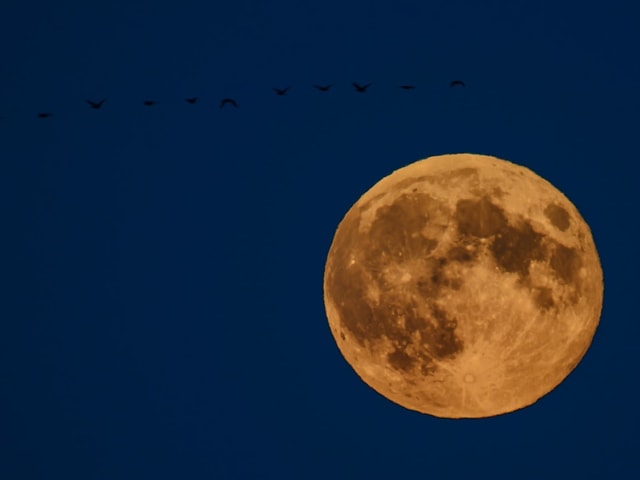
191,100
457,83
360,88
96,105
229,101
149,103
45,115
407,87
323,88
281,91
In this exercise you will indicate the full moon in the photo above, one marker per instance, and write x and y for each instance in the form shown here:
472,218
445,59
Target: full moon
463,286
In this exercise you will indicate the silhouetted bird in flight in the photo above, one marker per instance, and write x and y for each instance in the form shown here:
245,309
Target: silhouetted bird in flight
96,105
407,87
360,88
191,100
323,88
149,103
457,83
45,115
229,101
281,91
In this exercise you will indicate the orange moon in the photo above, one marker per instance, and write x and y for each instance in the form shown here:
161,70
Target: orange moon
463,286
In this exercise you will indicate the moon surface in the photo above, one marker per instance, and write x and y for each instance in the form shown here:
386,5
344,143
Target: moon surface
463,286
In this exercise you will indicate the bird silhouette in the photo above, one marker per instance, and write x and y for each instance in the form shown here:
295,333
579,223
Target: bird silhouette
360,88
455,83
191,100
45,115
149,103
281,91
323,88
407,87
96,105
229,101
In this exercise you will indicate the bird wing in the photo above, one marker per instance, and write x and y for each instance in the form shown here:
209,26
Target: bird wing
231,101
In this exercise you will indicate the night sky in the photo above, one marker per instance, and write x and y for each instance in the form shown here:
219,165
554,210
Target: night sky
161,306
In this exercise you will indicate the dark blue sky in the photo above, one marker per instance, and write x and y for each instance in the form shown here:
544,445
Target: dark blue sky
161,307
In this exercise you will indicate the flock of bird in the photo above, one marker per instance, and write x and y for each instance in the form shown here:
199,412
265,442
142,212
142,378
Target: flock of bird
96,105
